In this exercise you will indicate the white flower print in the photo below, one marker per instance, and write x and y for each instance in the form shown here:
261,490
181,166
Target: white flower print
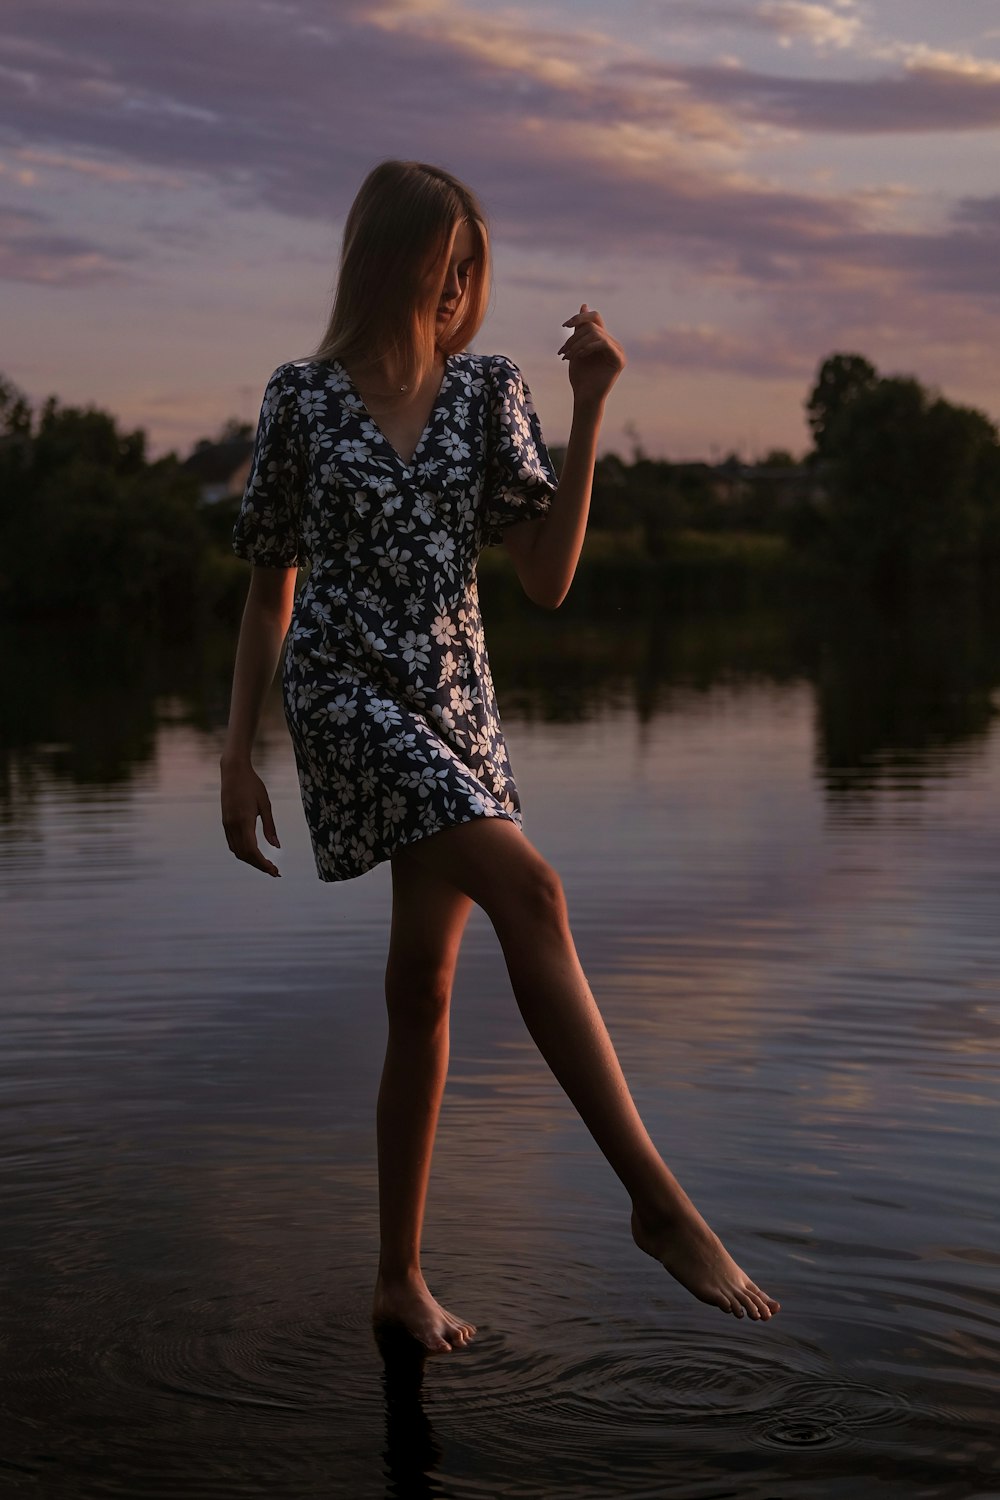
461,700
384,712
394,560
455,446
342,786
353,450
425,779
405,746
414,649
394,806
311,403
481,743
373,642
301,631
443,715
441,546
443,630
342,708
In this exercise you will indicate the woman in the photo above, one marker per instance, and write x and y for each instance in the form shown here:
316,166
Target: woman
387,461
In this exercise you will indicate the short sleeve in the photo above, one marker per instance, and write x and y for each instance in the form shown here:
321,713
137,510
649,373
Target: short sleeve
520,480
267,527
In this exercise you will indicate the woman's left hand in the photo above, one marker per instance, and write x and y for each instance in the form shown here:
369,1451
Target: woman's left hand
595,359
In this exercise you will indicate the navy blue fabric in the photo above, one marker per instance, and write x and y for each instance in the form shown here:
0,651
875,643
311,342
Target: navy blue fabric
386,682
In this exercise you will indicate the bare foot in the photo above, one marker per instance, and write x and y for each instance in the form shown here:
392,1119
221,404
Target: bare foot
410,1304
697,1258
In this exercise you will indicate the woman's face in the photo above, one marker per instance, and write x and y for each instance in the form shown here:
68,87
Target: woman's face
463,256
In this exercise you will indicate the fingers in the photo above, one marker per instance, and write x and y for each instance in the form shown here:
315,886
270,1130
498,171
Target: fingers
585,346
267,823
574,344
244,799
585,315
588,334
592,343
242,840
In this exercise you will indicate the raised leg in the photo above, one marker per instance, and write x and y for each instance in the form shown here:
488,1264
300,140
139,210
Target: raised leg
428,919
494,864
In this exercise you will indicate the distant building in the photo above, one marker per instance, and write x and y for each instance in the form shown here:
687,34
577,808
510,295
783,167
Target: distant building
221,469
733,481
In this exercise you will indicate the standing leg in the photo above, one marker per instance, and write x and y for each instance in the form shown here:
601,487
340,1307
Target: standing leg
491,861
428,919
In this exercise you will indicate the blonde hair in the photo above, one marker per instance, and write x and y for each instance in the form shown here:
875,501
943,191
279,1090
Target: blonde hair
398,238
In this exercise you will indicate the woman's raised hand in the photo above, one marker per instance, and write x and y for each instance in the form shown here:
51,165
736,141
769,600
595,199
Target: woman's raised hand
595,359
244,799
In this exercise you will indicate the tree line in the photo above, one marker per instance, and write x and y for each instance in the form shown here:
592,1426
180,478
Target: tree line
900,489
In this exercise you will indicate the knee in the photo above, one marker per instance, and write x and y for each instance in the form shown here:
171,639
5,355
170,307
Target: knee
418,990
539,896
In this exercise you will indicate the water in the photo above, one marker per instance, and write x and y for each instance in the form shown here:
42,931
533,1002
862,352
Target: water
780,848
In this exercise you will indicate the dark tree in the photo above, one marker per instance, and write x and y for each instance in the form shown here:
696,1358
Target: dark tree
87,525
912,484
841,380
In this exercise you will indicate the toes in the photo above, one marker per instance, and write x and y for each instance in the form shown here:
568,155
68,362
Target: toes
771,1303
749,1301
760,1306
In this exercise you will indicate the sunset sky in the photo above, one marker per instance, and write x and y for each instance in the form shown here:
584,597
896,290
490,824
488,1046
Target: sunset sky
740,188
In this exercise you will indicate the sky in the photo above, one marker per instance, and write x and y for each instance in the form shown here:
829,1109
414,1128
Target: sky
740,187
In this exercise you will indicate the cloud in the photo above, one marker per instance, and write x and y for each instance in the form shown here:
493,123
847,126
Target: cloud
30,251
787,20
573,139
704,347
979,213
918,58
108,171
926,97
548,149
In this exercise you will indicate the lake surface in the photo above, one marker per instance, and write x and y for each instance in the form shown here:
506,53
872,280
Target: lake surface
781,850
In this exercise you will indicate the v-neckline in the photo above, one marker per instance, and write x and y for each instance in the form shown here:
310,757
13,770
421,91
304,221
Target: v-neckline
406,467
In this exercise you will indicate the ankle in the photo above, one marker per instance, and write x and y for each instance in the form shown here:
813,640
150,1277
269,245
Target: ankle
400,1276
663,1211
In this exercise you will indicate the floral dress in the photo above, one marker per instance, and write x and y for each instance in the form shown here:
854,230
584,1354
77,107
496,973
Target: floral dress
386,683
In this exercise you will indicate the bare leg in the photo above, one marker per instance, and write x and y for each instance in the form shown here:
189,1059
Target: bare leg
494,864
428,919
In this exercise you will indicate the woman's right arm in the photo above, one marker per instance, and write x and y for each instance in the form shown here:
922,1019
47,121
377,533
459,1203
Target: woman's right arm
265,624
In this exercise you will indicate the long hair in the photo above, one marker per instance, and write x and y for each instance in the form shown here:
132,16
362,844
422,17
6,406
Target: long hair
398,238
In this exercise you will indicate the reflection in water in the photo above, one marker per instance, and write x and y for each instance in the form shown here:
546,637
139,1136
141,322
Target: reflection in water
806,1005
411,1452
897,696
904,697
